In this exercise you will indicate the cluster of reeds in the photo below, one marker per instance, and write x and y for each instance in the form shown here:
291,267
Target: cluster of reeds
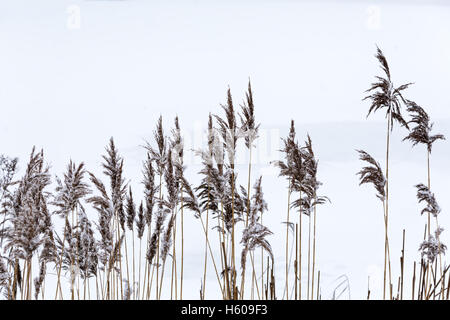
102,253
432,282
220,196
300,168
134,248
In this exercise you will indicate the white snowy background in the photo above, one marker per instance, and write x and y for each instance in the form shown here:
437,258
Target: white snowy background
75,73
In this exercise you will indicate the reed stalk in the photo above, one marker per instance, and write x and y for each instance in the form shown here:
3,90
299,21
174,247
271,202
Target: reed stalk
287,241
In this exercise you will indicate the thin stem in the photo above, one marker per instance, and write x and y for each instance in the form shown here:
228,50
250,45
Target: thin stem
182,248
296,261
314,256
233,258
287,241
139,272
387,210
58,284
309,257
206,249
248,214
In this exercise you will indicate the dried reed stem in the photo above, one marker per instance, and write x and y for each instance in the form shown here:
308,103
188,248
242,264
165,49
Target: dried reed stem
287,241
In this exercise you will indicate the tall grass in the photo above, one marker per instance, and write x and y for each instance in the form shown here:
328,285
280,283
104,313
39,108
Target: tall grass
135,246
384,95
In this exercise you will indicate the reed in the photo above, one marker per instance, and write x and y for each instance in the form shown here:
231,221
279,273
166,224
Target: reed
384,95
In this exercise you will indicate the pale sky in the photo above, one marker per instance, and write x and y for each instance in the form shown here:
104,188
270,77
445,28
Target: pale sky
67,87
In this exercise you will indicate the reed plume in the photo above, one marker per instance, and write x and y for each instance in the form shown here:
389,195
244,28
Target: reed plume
421,132
372,174
140,221
88,248
8,168
432,247
384,95
161,214
71,190
150,189
254,235
424,195
27,213
140,228
130,210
